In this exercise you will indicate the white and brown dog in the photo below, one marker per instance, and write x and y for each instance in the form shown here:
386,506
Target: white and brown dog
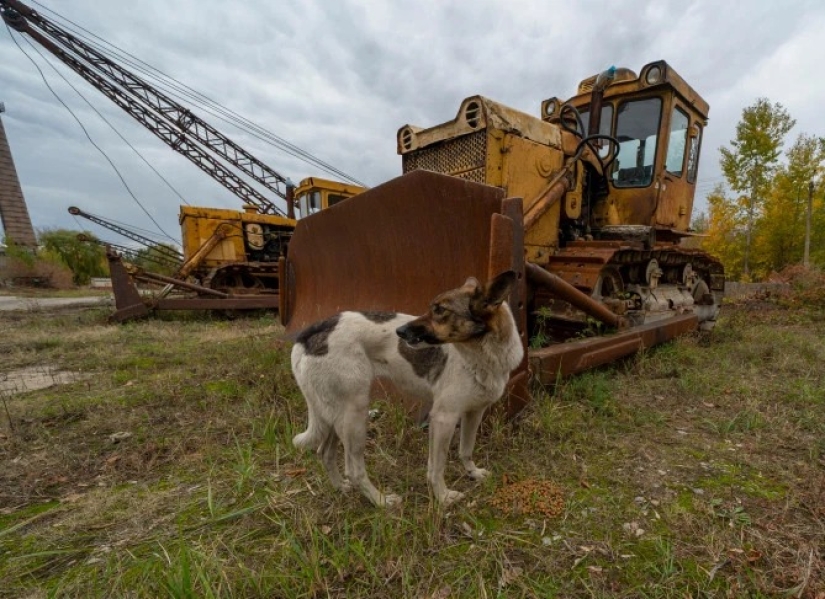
459,355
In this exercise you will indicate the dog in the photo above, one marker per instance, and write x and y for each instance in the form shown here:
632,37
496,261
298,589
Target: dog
459,355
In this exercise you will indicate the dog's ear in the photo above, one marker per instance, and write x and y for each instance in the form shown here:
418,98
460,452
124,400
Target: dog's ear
497,290
472,285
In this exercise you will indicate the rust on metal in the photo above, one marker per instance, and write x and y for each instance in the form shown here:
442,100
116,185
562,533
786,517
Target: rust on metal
581,266
567,292
157,278
517,395
128,303
248,302
393,247
564,359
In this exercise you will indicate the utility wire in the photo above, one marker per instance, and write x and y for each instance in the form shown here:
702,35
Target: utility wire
212,107
89,137
105,120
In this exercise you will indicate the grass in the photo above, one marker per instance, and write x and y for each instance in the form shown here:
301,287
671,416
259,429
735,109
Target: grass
695,469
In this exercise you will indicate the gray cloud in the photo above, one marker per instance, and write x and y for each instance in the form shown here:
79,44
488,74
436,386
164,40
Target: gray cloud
338,78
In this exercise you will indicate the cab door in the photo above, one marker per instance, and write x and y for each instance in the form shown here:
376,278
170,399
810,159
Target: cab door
678,175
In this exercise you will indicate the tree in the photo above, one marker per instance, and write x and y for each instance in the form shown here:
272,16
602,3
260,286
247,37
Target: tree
724,238
753,159
786,203
155,258
84,259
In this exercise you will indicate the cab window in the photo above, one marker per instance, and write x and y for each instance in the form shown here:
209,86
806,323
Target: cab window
605,125
637,128
677,142
693,153
334,198
309,203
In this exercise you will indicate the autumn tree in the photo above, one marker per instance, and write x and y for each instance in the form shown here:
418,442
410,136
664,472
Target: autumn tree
785,207
752,160
724,232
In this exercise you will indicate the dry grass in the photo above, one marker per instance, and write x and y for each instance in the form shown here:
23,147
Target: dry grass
694,470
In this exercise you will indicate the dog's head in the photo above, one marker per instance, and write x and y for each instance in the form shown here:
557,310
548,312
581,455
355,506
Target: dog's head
460,314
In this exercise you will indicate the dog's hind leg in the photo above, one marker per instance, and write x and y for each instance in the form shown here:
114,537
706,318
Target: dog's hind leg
442,427
328,451
352,428
316,430
470,421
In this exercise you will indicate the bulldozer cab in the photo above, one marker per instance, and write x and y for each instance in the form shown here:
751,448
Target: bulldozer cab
314,194
658,120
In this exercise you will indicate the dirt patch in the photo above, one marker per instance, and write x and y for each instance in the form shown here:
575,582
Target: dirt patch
35,378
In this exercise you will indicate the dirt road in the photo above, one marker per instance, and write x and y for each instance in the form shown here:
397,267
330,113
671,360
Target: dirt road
13,302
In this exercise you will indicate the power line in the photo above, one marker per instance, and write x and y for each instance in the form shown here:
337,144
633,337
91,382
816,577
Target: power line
89,137
105,120
202,101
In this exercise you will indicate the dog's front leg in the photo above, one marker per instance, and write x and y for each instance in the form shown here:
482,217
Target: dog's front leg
470,421
442,426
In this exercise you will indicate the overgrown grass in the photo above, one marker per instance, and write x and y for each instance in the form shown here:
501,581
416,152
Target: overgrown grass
695,469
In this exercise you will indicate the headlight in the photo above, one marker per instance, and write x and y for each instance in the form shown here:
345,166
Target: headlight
550,107
654,75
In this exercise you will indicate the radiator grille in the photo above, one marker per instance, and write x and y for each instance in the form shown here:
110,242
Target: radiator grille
462,157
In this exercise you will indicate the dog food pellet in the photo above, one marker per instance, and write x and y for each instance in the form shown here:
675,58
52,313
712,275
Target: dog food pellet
530,498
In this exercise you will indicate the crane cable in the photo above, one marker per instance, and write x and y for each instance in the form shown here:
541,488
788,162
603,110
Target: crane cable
105,120
89,137
204,102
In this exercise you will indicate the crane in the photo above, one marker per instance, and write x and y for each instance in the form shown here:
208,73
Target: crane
168,252
223,250
170,121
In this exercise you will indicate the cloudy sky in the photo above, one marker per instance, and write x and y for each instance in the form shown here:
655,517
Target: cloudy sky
339,77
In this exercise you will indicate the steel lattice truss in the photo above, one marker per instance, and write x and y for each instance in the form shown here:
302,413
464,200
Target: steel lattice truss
173,123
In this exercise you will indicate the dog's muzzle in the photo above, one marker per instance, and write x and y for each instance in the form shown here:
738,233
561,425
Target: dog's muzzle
415,335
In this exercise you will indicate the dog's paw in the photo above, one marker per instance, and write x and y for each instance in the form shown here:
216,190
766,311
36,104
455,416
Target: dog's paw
389,500
450,497
478,474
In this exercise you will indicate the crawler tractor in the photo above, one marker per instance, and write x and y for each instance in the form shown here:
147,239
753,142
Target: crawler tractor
588,204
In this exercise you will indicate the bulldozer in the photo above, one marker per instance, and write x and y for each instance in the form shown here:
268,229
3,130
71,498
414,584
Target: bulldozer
588,203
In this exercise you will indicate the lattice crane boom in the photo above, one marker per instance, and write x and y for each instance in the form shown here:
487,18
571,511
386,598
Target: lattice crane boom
170,121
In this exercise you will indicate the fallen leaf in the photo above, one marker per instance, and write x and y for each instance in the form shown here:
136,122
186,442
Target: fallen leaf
71,498
295,472
326,529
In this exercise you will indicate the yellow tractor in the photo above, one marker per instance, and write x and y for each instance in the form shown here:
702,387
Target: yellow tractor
588,203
